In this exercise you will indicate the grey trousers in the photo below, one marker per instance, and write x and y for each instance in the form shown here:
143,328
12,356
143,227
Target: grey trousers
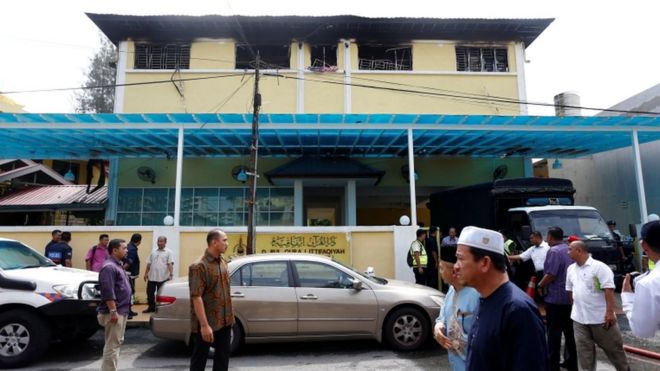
610,341
114,337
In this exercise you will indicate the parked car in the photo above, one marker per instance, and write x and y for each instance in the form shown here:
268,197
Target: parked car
41,301
301,297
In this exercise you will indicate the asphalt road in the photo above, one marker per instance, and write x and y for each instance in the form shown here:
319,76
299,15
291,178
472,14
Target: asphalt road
142,351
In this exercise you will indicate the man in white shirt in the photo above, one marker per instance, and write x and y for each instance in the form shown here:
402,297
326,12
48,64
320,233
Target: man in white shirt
160,268
536,252
591,283
643,306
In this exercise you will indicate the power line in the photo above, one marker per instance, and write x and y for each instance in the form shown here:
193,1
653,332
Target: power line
476,98
119,85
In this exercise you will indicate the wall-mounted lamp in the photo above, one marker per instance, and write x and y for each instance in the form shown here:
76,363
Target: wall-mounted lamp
557,164
69,175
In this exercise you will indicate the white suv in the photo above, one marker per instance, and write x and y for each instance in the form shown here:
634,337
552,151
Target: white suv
40,302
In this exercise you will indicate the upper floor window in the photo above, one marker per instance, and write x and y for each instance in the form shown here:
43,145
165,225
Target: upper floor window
324,58
271,56
481,59
385,57
150,56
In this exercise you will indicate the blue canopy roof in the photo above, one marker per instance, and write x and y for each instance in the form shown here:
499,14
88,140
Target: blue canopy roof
69,136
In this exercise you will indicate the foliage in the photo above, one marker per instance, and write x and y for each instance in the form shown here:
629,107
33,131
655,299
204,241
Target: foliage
101,73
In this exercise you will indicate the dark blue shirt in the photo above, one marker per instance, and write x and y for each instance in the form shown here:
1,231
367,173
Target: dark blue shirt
58,252
508,334
114,286
133,259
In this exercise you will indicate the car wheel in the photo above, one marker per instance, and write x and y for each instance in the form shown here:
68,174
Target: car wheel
24,337
407,329
237,337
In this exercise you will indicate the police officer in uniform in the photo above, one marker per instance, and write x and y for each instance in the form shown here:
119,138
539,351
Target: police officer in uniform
420,260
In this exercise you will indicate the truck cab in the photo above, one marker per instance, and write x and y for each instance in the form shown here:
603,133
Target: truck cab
584,222
40,302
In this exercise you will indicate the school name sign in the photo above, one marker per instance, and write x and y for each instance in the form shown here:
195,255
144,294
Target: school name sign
335,245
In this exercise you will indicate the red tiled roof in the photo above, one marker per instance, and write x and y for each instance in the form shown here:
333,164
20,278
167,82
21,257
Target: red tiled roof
64,197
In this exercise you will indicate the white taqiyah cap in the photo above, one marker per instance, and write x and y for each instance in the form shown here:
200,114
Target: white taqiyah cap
481,238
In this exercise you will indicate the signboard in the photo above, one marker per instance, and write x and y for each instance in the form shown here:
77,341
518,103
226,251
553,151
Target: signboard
335,245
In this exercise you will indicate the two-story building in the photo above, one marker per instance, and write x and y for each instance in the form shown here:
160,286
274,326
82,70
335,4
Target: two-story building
361,119
331,65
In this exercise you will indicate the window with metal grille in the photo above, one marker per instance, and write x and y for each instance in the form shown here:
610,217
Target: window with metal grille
385,57
481,59
150,56
271,56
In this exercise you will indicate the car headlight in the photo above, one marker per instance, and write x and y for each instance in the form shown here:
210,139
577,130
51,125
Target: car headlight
438,300
90,291
67,291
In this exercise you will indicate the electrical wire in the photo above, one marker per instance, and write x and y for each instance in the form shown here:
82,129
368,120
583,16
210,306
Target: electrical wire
120,85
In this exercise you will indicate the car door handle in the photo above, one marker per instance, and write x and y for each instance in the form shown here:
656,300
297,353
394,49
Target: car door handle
309,297
237,295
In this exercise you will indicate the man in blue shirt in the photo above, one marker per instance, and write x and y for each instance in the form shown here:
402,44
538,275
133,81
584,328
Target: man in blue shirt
508,333
458,311
60,252
132,266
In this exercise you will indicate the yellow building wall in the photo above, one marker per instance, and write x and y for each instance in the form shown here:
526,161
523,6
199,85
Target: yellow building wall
197,171
440,56
369,100
279,94
81,242
375,249
210,54
444,171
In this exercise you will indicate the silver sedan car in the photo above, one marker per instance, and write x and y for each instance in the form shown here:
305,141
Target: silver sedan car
300,297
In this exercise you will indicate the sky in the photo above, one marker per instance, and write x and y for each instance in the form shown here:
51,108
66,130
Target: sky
606,51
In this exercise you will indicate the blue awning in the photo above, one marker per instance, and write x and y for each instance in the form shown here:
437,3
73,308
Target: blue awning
70,136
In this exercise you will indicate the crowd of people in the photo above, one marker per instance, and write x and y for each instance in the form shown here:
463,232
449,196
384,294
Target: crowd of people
485,315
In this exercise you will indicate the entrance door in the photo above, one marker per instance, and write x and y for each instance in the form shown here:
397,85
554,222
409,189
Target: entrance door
323,206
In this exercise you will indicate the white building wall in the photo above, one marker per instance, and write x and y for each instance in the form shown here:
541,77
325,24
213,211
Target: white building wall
606,181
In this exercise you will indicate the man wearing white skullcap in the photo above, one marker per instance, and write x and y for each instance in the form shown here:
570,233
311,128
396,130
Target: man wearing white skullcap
508,333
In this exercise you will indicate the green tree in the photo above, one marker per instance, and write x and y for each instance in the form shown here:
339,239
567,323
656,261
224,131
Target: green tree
100,72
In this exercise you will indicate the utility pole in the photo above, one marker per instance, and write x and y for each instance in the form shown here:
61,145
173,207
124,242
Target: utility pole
254,154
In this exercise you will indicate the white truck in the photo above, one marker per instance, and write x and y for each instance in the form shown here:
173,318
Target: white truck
41,302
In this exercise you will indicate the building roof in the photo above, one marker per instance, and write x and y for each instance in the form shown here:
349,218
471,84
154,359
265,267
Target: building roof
313,167
30,167
327,29
58,197
648,100
155,135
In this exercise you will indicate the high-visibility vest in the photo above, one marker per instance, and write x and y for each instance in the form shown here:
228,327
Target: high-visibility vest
507,246
423,259
651,265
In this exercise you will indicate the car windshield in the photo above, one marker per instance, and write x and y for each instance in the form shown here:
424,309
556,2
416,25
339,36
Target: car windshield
15,255
586,224
375,279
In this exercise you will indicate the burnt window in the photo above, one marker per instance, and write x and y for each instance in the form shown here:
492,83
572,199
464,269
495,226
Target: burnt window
150,56
478,59
324,58
272,56
385,58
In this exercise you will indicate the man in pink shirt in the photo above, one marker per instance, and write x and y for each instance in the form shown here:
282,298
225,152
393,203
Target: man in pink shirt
97,254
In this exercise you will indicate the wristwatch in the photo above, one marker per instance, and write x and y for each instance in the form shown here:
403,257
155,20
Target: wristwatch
113,311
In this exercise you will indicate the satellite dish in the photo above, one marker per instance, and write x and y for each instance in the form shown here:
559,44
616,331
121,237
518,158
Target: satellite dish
500,172
146,174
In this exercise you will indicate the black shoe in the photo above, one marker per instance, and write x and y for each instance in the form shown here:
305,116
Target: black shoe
569,366
148,310
132,314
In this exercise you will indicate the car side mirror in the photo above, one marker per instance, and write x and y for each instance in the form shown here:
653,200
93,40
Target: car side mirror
357,284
